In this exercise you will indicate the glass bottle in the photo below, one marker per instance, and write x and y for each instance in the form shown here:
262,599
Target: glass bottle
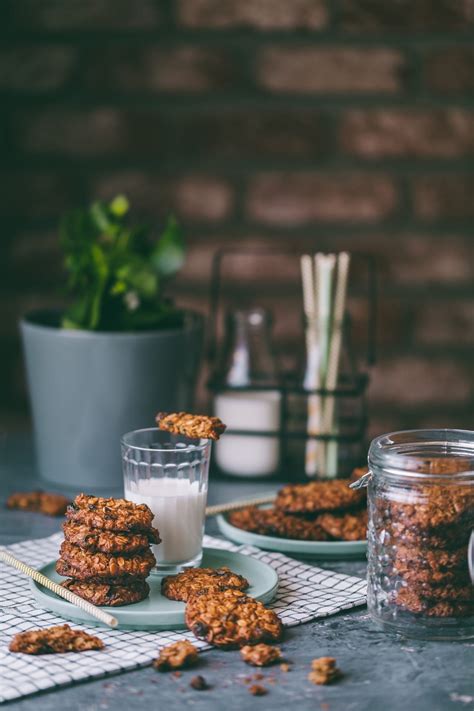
249,402
248,357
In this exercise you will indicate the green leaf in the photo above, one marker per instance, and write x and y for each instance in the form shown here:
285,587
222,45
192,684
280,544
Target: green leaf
168,255
101,217
115,272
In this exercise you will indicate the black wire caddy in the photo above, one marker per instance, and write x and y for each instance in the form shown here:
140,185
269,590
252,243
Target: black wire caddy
275,442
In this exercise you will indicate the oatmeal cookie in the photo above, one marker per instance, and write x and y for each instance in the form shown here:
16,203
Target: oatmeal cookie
40,501
345,527
193,580
434,507
82,565
193,426
176,656
94,540
445,537
324,671
272,522
110,514
260,655
231,619
409,600
423,565
107,595
319,496
54,640
463,592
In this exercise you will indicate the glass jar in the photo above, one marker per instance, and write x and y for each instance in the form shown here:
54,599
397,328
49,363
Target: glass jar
421,514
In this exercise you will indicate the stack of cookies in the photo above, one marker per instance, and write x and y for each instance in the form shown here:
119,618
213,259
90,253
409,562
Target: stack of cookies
428,528
317,511
106,553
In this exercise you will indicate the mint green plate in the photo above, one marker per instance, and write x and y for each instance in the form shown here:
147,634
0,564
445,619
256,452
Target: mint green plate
310,549
157,612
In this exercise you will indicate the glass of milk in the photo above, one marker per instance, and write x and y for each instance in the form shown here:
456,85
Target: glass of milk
169,473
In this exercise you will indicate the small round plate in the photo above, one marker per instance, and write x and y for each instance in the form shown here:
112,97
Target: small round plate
157,612
310,549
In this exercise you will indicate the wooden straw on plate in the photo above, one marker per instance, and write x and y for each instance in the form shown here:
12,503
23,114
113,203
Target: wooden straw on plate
235,505
71,597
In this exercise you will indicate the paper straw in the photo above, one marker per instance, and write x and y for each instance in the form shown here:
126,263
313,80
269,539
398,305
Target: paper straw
325,268
71,597
311,381
235,505
336,338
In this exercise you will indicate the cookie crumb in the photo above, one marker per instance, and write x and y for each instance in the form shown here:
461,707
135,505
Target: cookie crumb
176,656
199,683
324,671
260,655
257,690
285,667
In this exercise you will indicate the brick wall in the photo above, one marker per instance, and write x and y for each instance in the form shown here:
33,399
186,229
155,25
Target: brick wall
310,123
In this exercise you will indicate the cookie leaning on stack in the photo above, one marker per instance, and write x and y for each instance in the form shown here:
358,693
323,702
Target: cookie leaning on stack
106,554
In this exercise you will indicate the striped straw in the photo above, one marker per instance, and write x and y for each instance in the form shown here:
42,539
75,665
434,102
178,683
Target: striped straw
71,597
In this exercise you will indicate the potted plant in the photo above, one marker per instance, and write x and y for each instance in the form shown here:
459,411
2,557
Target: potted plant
119,353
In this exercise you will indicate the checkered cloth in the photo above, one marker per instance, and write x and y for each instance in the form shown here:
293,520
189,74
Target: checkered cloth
305,593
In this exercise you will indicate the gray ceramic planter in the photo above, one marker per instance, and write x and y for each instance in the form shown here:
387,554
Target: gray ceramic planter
88,388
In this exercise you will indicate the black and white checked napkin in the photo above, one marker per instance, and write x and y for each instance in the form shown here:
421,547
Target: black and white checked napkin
305,593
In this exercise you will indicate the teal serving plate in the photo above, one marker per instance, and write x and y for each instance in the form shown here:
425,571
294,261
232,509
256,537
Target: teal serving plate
157,612
311,549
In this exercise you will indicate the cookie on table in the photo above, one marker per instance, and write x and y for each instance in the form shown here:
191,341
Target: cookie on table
195,580
231,619
107,595
96,540
110,514
40,501
192,426
54,640
178,655
345,527
260,655
82,565
319,497
324,671
272,522
409,600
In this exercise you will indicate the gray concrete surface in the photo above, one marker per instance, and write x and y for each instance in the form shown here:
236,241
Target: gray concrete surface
381,672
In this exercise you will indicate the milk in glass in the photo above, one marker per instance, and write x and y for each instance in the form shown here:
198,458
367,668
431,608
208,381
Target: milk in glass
178,506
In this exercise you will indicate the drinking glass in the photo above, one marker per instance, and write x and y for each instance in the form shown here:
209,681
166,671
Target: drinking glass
169,473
